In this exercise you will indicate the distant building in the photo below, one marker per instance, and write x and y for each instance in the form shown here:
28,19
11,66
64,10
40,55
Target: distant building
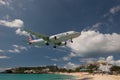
46,70
29,71
105,68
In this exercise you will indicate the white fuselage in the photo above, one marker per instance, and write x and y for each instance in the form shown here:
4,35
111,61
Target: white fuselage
62,37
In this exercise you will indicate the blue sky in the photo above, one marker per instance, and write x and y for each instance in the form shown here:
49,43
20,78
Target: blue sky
97,20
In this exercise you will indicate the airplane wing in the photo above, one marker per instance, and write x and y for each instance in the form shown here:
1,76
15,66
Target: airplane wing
45,37
39,44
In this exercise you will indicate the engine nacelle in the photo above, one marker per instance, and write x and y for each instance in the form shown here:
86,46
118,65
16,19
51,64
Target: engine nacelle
55,37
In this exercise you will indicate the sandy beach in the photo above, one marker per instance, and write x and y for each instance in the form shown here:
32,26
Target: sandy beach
87,76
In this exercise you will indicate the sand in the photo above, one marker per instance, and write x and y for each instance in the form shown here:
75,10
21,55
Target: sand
87,76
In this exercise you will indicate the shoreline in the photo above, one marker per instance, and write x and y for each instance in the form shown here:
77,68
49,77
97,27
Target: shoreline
87,76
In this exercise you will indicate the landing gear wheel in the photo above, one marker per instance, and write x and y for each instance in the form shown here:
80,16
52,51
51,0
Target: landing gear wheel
47,43
55,38
29,43
65,42
71,41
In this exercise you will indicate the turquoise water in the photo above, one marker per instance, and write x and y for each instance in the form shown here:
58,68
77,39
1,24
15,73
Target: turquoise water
35,77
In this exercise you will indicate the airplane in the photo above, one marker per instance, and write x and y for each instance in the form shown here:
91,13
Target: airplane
55,40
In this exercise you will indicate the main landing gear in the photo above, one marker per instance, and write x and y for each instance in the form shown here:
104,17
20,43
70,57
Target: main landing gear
71,41
47,43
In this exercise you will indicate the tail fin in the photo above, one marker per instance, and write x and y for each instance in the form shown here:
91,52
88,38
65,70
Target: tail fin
31,37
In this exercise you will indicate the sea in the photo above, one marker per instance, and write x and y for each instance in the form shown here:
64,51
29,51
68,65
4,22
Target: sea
36,77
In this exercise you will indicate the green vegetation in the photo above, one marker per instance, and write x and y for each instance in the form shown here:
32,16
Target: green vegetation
91,68
115,69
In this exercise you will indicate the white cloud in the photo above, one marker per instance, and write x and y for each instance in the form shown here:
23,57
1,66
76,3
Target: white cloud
88,60
109,60
3,57
20,47
96,26
115,9
4,2
17,23
8,4
91,42
54,59
102,58
21,32
17,49
105,68
68,57
70,65
14,51
117,62
1,50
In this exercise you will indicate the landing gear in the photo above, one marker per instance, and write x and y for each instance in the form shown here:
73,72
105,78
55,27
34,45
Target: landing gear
55,38
47,43
54,46
71,41
65,43
29,43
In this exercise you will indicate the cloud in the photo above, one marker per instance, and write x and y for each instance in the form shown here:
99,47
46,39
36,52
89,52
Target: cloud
54,60
70,65
96,26
3,57
4,2
105,68
109,60
110,15
1,50
68,57
115,9
17,49
88,60
17,23
21,32
14,50
91,42
65,58
8,4
117,62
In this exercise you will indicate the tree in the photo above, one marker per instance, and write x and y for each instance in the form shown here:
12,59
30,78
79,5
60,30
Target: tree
115,69
91,68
